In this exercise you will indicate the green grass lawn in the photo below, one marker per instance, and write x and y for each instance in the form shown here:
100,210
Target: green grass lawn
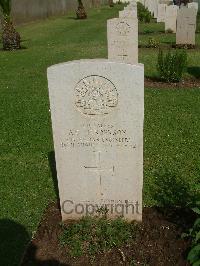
172,127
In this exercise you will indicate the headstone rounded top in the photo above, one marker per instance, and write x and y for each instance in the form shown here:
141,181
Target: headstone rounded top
91,62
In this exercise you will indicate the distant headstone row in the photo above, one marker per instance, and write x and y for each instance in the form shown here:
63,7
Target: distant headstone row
180,20
171,17
97,110
186,26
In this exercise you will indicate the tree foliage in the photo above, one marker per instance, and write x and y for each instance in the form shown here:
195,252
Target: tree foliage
5,6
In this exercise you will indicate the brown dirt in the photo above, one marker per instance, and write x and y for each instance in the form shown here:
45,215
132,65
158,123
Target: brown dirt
185,84
158,242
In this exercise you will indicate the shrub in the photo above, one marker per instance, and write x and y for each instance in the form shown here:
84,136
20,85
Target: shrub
171,65
194,233
143,13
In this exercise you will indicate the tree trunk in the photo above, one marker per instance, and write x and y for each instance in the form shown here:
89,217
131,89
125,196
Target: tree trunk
111,4
10,37
81,13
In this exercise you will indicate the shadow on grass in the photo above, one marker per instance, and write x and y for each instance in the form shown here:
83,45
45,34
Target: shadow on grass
31,260
14,50
146,32
169,43
161,31
13,239
73,18
13,245
169,189
162,45
52,164
154,78
194,71
175,196
182,217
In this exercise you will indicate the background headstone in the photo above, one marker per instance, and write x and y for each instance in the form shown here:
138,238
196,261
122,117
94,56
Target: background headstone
167,2
186,26
194,5
133,3
149,5
122,35
97,110
128,14
170,18
161,12
132,6
155,8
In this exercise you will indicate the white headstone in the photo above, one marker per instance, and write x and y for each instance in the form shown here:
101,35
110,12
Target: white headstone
148,5
194,5
128,14
122,35
133,3
167,2
186,26
161,12
131,7
154,8
170,18
97,110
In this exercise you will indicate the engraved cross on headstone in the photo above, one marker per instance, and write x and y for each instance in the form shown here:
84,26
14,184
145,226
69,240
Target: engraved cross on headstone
99,169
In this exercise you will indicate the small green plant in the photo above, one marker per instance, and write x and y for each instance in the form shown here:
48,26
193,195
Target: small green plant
171,65
194,233
93,235
153,43
143,13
